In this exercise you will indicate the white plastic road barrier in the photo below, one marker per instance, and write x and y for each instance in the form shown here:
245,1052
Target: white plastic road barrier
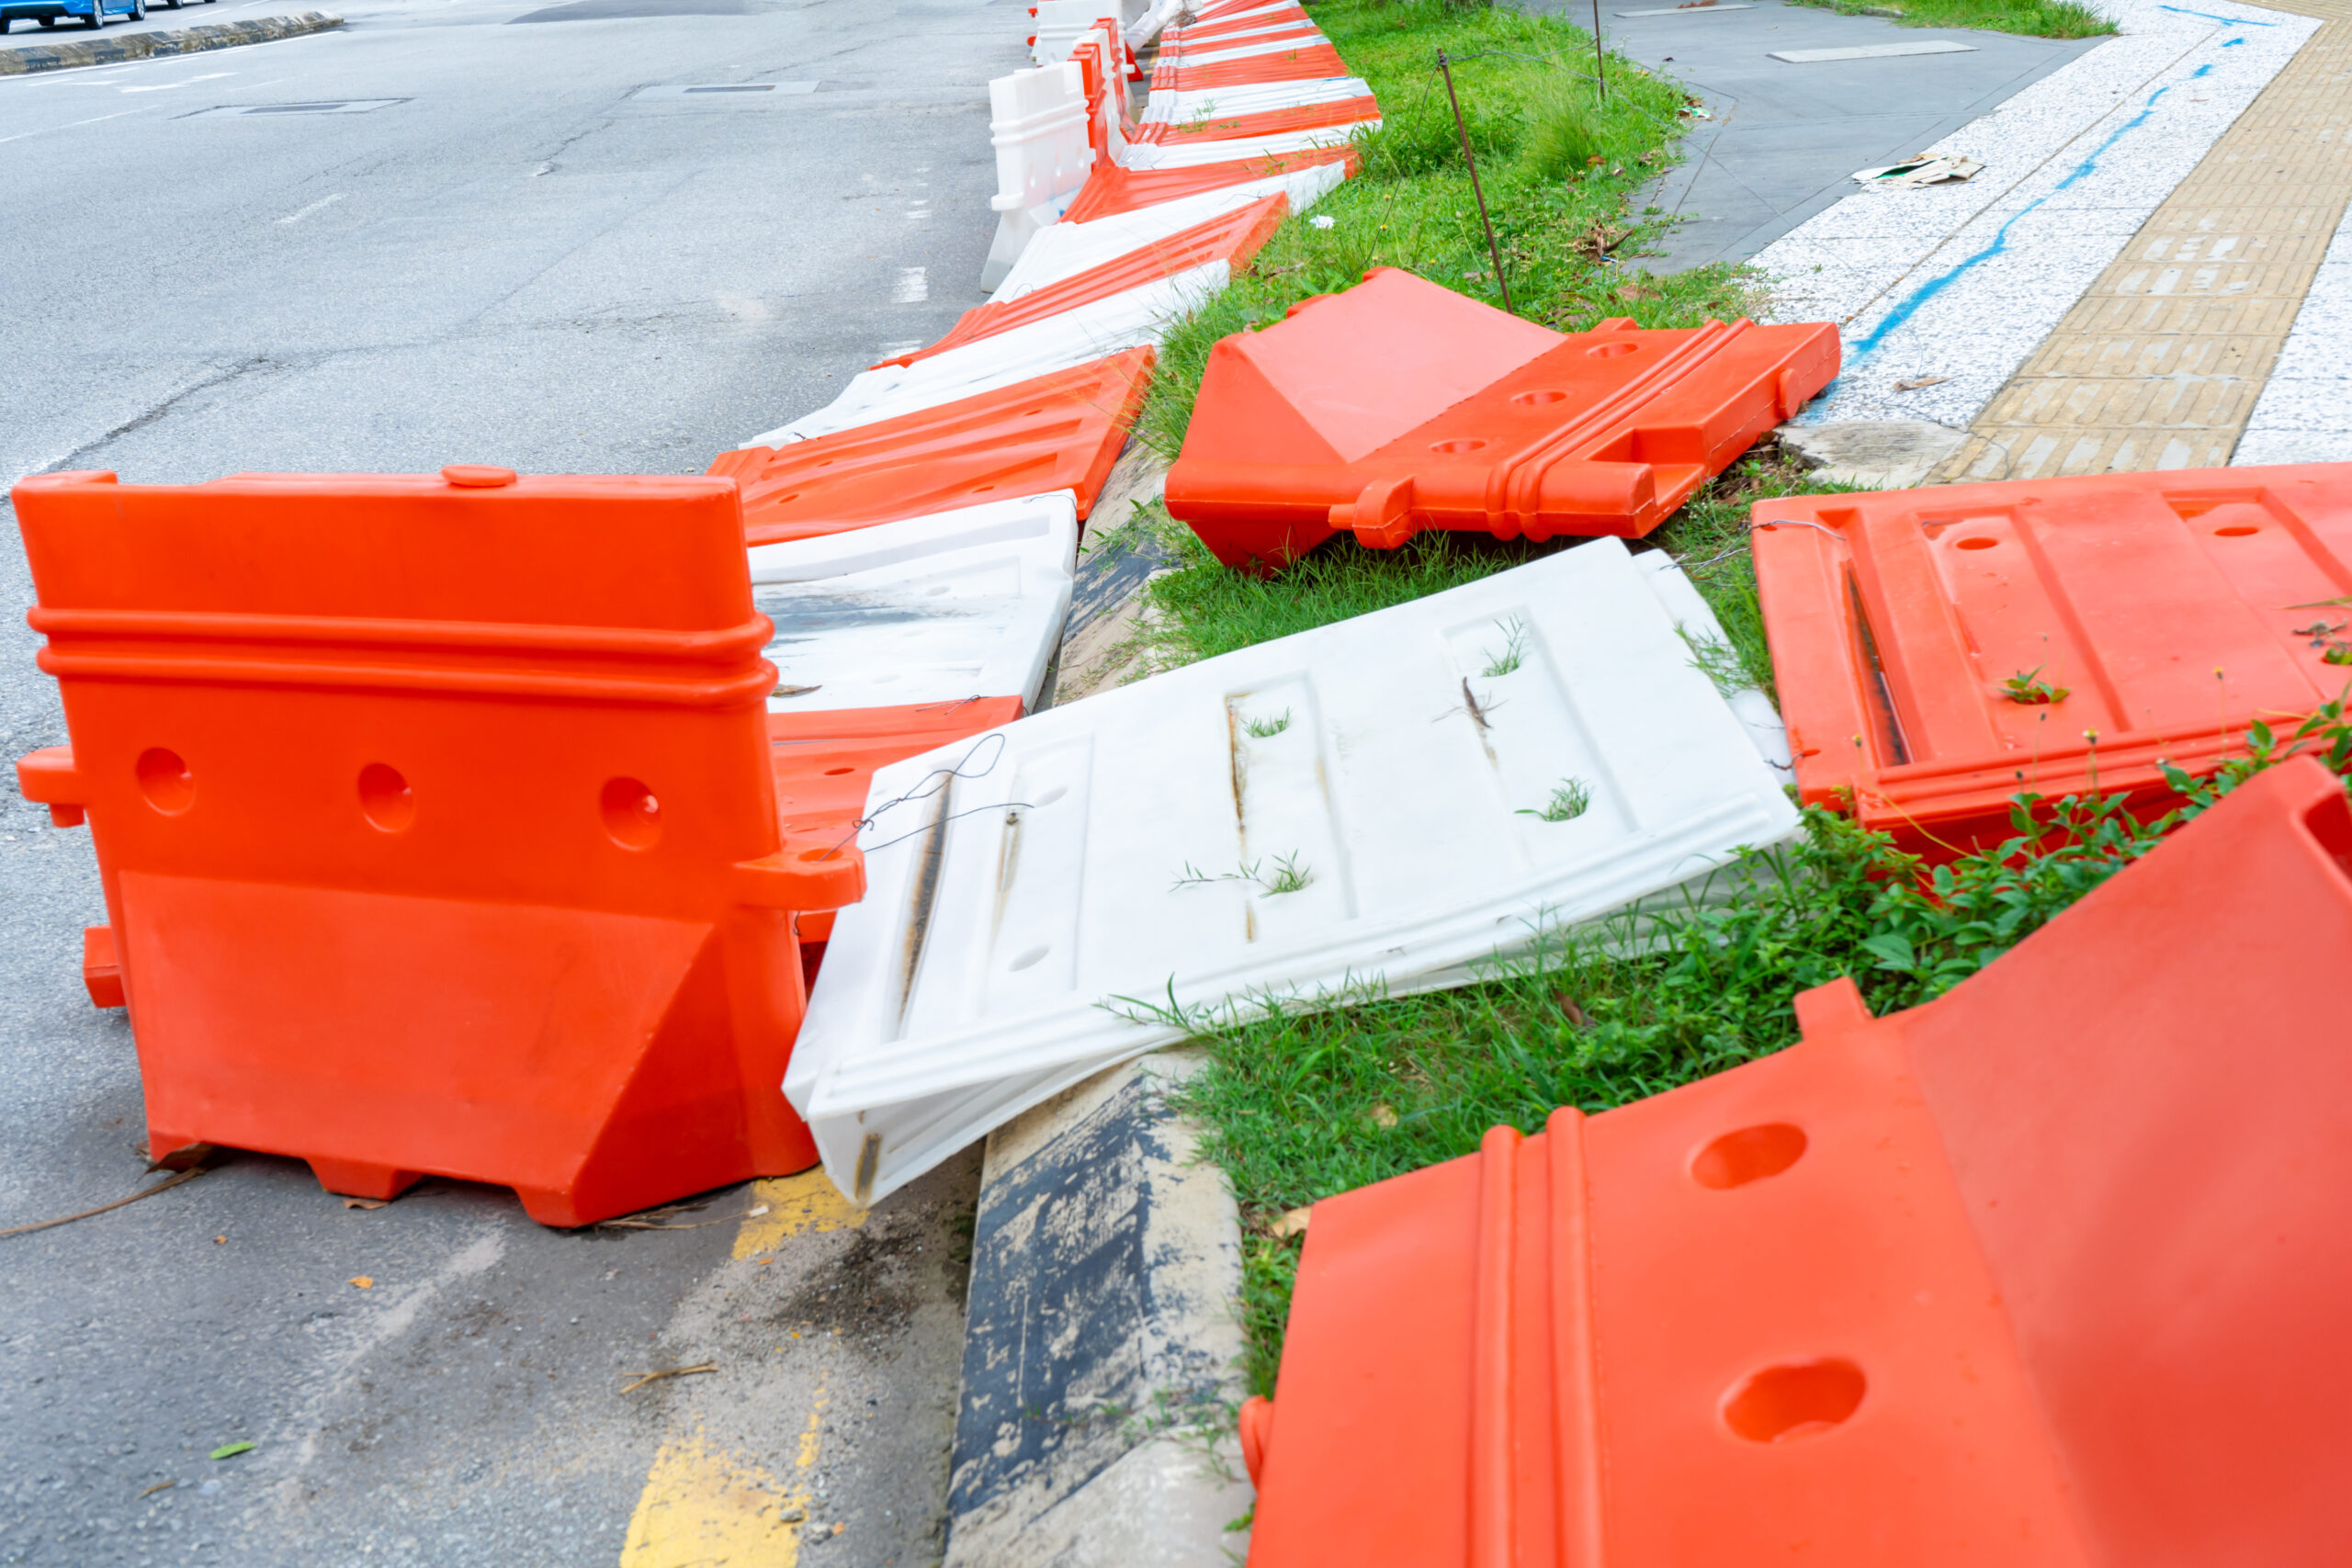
1195,151
1076,336
937,609
1387,803
1223,53
1061,23
1037,125
1178,42
1064,250
1258,97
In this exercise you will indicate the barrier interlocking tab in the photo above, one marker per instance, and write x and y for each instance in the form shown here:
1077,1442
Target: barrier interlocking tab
2050,1272
1400,405
435,823
1304,175
1058,432
1942,650
1213,249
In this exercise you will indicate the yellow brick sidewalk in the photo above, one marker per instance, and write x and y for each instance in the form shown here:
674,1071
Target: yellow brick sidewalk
2159,363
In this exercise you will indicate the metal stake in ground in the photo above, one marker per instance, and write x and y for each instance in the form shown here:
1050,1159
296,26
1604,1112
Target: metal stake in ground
1599,58
1494,251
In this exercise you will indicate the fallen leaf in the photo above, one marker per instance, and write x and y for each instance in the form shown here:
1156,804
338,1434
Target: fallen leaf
839,1527
365,1281
1292,1223
230,1450
365,1202
220,1241
1383,1116
1922,382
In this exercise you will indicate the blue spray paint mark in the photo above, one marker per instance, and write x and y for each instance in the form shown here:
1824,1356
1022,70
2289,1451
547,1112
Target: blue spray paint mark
2232,43
1909,307
2229,21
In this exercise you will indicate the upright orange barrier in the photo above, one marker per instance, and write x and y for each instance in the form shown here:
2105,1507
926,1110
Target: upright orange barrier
1057,432
1941,650
1113,189
2049,1273
1231,238
1400,405
436,823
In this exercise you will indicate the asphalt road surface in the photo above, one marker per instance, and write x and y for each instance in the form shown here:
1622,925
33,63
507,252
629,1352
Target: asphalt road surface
504,245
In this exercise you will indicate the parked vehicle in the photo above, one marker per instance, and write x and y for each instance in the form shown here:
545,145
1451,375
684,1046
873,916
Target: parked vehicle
89,13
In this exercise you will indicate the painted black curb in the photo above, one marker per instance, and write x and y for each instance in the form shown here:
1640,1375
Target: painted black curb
104,51
1101,1343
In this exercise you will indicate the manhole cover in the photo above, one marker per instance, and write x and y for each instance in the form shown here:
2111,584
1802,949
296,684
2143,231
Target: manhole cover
341,105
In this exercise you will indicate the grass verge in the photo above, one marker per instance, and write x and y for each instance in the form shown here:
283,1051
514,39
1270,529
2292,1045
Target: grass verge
2033,18
1559,166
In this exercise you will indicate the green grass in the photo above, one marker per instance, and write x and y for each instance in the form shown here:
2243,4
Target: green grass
2034,18
1300,1105
1559,166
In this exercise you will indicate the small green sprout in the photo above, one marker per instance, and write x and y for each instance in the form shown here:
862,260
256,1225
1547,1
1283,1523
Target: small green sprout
2030,690
1267,729
1514,651
1289,877
1571,800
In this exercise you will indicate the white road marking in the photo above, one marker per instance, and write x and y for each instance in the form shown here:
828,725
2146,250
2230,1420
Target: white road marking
321,204
914,287
93,120
1872,51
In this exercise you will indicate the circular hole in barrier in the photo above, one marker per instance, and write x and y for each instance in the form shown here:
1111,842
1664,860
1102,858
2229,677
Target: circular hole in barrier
1051,796
1779,1404
2236,531
1749,1155
817,854
632,816
1026,959
165,779
385,798
1537,399
1976,542
1610,350
836,773
1450,448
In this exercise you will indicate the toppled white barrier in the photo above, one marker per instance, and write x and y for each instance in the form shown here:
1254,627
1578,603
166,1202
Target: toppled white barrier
1066,249
1195,150
1183,107
1037,123
1385,803
939,609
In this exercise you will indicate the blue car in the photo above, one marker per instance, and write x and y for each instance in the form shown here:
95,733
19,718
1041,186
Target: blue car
89,13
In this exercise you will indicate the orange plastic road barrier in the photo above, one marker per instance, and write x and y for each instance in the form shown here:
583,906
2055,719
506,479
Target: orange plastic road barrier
1111,190
1400,405
1057,432
2049,1273
823,763
436,822
1941,651
1232,238
1309,62
1271,123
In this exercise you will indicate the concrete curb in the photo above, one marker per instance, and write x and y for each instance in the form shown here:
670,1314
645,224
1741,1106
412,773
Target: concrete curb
104,51
1103,1342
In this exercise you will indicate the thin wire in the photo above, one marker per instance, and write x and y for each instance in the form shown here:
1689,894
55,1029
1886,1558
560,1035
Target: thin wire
930,784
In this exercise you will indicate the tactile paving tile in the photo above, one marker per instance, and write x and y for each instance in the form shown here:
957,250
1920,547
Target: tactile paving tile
2160,362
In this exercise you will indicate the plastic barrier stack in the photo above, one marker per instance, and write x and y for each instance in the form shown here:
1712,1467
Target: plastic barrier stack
2049,1271
1941,651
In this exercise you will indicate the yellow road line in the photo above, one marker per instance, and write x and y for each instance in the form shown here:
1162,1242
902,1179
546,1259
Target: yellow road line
703,1507
808,1204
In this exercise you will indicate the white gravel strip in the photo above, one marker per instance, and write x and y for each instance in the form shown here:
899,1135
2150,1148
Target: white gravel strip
2304,414
1963,281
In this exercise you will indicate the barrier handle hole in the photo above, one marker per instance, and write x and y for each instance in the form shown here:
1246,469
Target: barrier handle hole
1783,1403
1976,542
2238,531
1751,1154
165,779
385,797
632,815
